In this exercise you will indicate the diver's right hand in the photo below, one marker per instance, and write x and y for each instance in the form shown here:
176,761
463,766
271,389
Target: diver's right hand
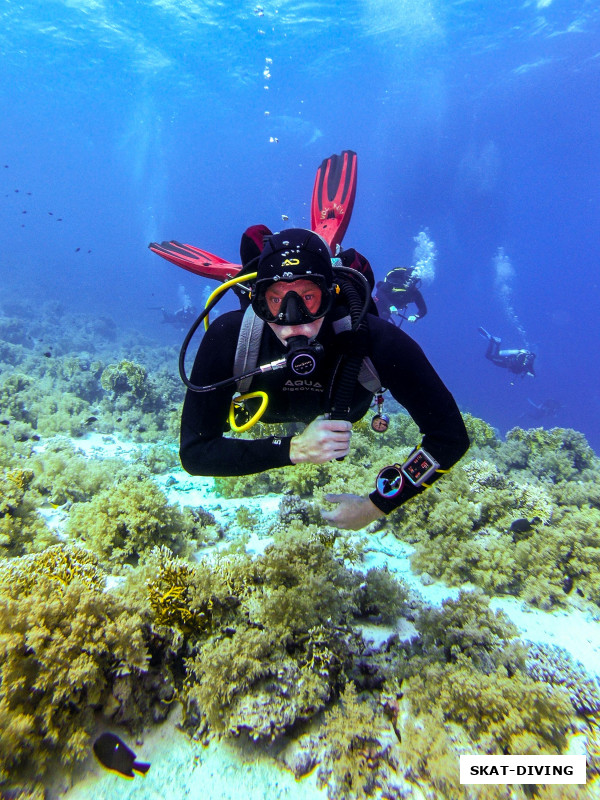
322,440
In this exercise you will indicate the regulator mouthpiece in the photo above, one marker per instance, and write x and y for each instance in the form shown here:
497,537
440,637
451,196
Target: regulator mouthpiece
302,355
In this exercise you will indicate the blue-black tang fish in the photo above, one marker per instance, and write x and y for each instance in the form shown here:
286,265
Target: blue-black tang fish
521,525
115,756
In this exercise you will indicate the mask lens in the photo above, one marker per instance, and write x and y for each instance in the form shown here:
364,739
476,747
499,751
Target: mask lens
294,302
309,295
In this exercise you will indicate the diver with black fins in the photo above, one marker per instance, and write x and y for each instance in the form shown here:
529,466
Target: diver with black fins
183,316
519,362
398,290
308,347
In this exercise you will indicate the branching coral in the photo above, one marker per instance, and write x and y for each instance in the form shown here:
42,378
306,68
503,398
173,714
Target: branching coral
382,595
501,712
63,473
464,530
227,669
13,390
126,377
428,753
557,454
268,637
555,666
169,593
64,640
562,559
480,433
42,406
466,627
129,517
304,584
484,474
358,756
21,529
464,688
14,449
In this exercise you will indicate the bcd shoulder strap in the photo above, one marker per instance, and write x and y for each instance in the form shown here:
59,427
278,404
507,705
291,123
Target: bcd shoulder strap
367,376
248,347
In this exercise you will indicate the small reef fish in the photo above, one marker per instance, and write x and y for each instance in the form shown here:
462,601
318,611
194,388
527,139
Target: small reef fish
521,525
115,756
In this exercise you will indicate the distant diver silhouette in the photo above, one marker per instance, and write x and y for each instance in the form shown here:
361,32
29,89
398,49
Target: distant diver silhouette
519,362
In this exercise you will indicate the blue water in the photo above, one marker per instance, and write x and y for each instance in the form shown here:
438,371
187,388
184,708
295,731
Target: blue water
478,121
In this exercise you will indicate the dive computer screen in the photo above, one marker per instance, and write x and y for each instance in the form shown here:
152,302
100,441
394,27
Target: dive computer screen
419,467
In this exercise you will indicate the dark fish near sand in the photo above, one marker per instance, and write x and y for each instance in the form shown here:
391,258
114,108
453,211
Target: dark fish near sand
521,525
115,756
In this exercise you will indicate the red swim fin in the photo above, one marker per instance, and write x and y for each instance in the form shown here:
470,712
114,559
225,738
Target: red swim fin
201,262
333,197
331,208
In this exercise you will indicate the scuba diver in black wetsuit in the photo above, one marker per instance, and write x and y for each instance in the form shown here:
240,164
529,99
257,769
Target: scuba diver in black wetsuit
395,293
183,316
519,362
323,358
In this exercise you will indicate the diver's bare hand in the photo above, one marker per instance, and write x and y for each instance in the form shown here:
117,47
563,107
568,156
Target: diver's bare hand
321,441
351,511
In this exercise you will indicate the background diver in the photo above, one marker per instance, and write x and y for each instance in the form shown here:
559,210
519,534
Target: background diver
309,343
547,409
396,292
183,316
519,362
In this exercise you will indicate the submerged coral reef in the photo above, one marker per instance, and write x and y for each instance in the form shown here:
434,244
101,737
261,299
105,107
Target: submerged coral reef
117,605
65,642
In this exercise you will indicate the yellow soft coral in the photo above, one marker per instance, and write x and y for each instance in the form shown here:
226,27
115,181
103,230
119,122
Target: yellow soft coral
62,565
64,641
169,594
21,478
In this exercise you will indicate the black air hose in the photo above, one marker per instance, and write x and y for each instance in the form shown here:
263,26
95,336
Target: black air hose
346,375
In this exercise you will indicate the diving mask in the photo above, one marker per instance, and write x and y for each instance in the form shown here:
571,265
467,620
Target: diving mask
294,300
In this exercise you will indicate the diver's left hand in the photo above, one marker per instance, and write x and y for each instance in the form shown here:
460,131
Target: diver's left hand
413,318
351,511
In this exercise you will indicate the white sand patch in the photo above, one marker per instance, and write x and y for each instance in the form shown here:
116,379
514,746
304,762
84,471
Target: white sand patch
181,768
98,445
197,491
576,631
55,518
383,549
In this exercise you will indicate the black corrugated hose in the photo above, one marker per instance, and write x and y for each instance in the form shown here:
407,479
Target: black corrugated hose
348,367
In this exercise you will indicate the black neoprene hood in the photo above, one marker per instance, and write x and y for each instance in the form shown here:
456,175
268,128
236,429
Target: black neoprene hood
292,254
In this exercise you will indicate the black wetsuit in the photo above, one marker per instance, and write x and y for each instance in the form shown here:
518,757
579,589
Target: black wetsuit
520,362
400,363
183,316
400,298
